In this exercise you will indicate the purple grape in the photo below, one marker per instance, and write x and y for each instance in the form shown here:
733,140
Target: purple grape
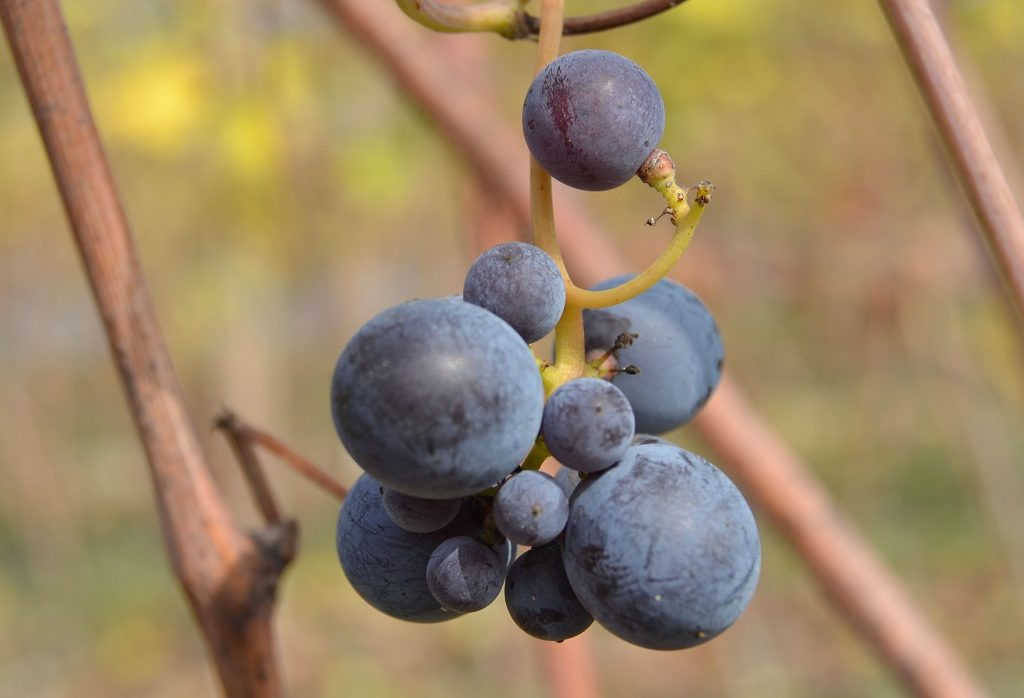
531,508
519,283
437,398
464,575
539,597
591,118
662,548
588,424
386,564
677,350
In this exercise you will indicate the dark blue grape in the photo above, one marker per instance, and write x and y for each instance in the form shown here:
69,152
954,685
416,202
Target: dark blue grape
464,575
419,515
591,118
387,565
662,549
588,424
539,597
437,398
519,283
531,508
678,352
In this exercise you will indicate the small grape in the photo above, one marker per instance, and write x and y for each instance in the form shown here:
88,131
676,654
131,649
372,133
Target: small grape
591,118
531,508
520,284
588,424
539,597
464,575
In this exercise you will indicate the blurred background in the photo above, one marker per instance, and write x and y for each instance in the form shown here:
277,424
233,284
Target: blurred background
283,191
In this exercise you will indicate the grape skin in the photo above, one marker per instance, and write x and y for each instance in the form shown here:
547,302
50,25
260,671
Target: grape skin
437,398
519,283
678,351
591,117
588,424
662,548
386,564
419,515
464,575
531,508
539,598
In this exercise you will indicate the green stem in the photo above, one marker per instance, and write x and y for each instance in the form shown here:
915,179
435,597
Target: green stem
661,266
570,361
658,171
569,358
541,207
542,216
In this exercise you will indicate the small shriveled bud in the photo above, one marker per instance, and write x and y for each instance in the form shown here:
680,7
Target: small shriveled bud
657,166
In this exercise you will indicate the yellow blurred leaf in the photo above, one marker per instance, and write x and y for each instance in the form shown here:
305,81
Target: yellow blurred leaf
250,142
156,103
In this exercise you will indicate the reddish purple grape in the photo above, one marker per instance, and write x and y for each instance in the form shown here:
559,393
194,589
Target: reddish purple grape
591,118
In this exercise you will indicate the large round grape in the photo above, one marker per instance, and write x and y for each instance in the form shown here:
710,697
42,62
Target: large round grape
437,398
386,564
588,424
591,118
539,598
678,350
662,548
519,283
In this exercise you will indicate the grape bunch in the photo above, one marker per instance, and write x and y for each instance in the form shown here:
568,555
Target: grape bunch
445,406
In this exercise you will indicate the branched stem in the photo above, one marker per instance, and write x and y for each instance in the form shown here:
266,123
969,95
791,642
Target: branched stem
230,577
570,361
542,216
542,212
648,277
602,21
658,171
244,436
509,19
504,17
252,469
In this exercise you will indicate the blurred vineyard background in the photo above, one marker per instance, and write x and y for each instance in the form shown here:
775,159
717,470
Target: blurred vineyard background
283,191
